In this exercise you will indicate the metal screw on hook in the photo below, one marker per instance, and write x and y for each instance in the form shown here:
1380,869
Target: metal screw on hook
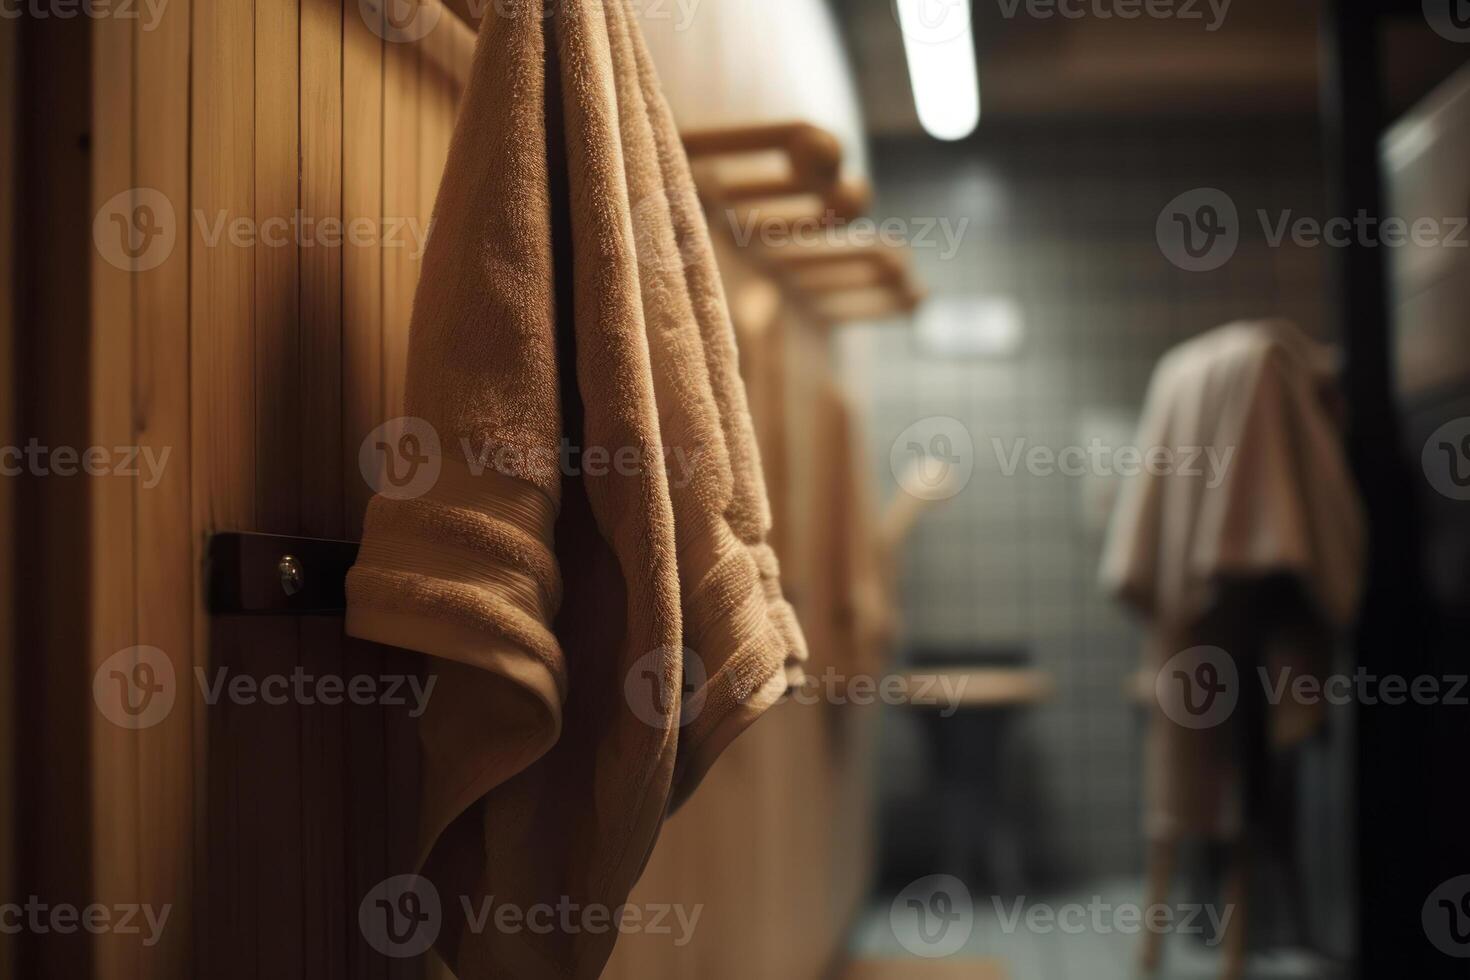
292,574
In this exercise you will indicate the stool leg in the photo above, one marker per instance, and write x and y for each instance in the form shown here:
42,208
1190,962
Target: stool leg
1163,855
1237,888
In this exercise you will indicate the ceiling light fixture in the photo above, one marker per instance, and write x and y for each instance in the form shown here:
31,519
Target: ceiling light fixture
940,51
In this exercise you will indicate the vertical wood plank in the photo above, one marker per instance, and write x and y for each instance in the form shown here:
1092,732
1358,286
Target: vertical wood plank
9,87
271,733
222,410
403,102
401,193
362,410
166,599
54,218
111,544
323,744
322,267
362,263
437,101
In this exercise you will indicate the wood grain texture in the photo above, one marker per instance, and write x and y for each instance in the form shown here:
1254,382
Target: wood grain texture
363,823
323,748
116,824
166,608
9,87
400,214
270,758
222,422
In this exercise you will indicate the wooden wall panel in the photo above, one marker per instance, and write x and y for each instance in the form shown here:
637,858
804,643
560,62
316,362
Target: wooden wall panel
260,354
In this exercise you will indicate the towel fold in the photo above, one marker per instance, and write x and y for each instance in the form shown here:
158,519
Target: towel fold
590,565
1259,483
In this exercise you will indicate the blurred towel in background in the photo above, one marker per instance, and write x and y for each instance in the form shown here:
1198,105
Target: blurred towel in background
1249,483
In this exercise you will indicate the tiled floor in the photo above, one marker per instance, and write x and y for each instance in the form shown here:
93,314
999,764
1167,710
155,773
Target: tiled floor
1002,947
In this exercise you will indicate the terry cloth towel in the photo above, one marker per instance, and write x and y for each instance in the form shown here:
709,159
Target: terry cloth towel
604,618
1257,489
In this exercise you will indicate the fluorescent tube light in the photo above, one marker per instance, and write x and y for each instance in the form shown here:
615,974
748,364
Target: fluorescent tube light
941,56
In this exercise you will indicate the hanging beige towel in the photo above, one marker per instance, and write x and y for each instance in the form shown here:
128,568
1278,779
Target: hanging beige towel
569,298
1257,486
